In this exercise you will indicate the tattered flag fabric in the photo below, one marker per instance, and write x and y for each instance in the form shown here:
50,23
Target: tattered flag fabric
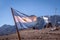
23,20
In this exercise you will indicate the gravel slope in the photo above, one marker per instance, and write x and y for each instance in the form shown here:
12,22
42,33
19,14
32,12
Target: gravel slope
44,34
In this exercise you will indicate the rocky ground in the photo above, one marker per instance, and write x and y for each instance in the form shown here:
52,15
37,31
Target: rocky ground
44,34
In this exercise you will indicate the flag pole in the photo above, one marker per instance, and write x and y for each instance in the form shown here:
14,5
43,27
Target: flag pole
15,25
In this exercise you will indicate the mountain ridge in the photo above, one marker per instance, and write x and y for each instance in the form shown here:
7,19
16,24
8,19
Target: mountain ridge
8,29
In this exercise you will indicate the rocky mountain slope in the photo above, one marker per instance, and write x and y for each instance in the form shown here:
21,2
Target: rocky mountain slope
43,34
8,29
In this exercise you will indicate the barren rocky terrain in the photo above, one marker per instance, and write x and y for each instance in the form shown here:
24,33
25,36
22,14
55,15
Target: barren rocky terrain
44,34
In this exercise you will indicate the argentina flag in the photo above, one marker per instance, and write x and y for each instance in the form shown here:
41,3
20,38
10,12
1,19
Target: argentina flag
24,21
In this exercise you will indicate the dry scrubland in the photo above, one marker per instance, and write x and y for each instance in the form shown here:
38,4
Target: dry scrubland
44,34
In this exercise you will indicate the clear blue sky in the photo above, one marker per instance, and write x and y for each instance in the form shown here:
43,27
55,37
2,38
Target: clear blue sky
29,7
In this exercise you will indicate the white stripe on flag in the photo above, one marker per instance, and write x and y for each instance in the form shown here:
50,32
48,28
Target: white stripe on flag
23,19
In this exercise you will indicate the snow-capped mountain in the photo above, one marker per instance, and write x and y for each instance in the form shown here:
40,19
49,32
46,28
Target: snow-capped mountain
41,21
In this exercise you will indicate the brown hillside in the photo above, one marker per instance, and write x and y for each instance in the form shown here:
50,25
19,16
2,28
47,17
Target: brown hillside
44,34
